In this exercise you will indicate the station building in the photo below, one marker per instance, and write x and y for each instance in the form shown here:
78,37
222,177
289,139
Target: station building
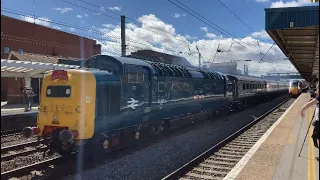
24,41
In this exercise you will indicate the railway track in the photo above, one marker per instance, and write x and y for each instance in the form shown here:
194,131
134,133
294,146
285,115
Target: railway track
11,132
21,171
6,149
218,161
9,153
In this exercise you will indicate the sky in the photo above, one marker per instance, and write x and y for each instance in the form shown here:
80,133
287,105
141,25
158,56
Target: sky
162,26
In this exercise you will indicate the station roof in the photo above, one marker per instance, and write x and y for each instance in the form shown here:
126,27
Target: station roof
31,65
296,31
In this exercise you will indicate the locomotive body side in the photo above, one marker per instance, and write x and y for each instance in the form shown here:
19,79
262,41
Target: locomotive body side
115,101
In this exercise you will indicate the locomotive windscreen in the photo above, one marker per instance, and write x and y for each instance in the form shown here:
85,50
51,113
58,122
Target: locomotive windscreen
103,63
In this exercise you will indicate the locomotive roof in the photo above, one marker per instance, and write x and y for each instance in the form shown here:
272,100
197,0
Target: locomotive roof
244,78
126,60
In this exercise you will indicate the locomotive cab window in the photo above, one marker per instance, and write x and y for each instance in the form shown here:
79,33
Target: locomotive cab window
58,91
135,77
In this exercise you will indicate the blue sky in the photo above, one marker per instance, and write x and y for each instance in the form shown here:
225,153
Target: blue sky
249,11
172,20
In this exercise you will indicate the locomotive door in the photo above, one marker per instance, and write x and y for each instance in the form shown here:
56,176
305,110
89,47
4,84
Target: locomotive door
234,89
137,90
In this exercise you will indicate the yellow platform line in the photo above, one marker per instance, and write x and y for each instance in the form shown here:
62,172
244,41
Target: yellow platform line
311,164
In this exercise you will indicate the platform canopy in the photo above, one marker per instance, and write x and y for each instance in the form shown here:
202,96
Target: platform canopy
14,68
296,31
34,65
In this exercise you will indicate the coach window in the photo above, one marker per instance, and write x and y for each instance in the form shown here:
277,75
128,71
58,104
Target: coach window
244,86
20,50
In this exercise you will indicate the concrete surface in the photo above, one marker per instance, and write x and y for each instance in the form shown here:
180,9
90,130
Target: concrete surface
277,157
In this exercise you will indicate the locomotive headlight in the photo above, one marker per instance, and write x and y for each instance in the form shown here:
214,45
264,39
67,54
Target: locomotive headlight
48,91
54,117
68,91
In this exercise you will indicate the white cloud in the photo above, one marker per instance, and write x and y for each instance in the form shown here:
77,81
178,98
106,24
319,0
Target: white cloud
40,21
171,42
262,1
294,3
63,10
82,22
261,35
108,25
98,14
211,35
115,8
72,29
205,29
56,27
79,16
176,15
86,15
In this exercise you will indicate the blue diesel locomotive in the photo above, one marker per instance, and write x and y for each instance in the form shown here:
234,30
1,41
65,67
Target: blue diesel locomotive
112,102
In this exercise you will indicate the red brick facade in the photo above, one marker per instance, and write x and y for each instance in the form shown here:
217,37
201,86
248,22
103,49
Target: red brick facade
17,35
32,38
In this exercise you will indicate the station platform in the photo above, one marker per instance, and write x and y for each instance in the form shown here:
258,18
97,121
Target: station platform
276,155
16,109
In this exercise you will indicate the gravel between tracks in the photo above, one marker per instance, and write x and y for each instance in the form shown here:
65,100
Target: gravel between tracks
163,157
14,139
20,161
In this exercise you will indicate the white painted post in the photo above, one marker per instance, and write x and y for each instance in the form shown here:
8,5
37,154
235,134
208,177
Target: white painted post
27,82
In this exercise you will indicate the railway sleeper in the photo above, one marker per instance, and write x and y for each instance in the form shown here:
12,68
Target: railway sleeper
224,151
208,172
219,162
216,166
243,143
212,168
199,176
236,147
223,159
228,156
246,141
250,138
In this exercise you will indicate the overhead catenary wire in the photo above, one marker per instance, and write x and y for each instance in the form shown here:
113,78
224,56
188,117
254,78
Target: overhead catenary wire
220,31
211,23
263,57
238,17
260,53
104,9
146,25
91,37
86,29
164,32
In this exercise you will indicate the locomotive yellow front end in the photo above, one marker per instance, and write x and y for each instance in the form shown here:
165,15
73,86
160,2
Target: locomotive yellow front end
67,110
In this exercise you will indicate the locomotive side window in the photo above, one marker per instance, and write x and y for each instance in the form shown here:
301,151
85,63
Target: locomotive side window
161,87
58,91
135,77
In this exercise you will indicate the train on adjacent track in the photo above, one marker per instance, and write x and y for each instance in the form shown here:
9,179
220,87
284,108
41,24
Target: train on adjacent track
297,87
112,102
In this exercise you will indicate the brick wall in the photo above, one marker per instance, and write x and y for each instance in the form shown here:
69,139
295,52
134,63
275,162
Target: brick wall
12,89
17,34
32,38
